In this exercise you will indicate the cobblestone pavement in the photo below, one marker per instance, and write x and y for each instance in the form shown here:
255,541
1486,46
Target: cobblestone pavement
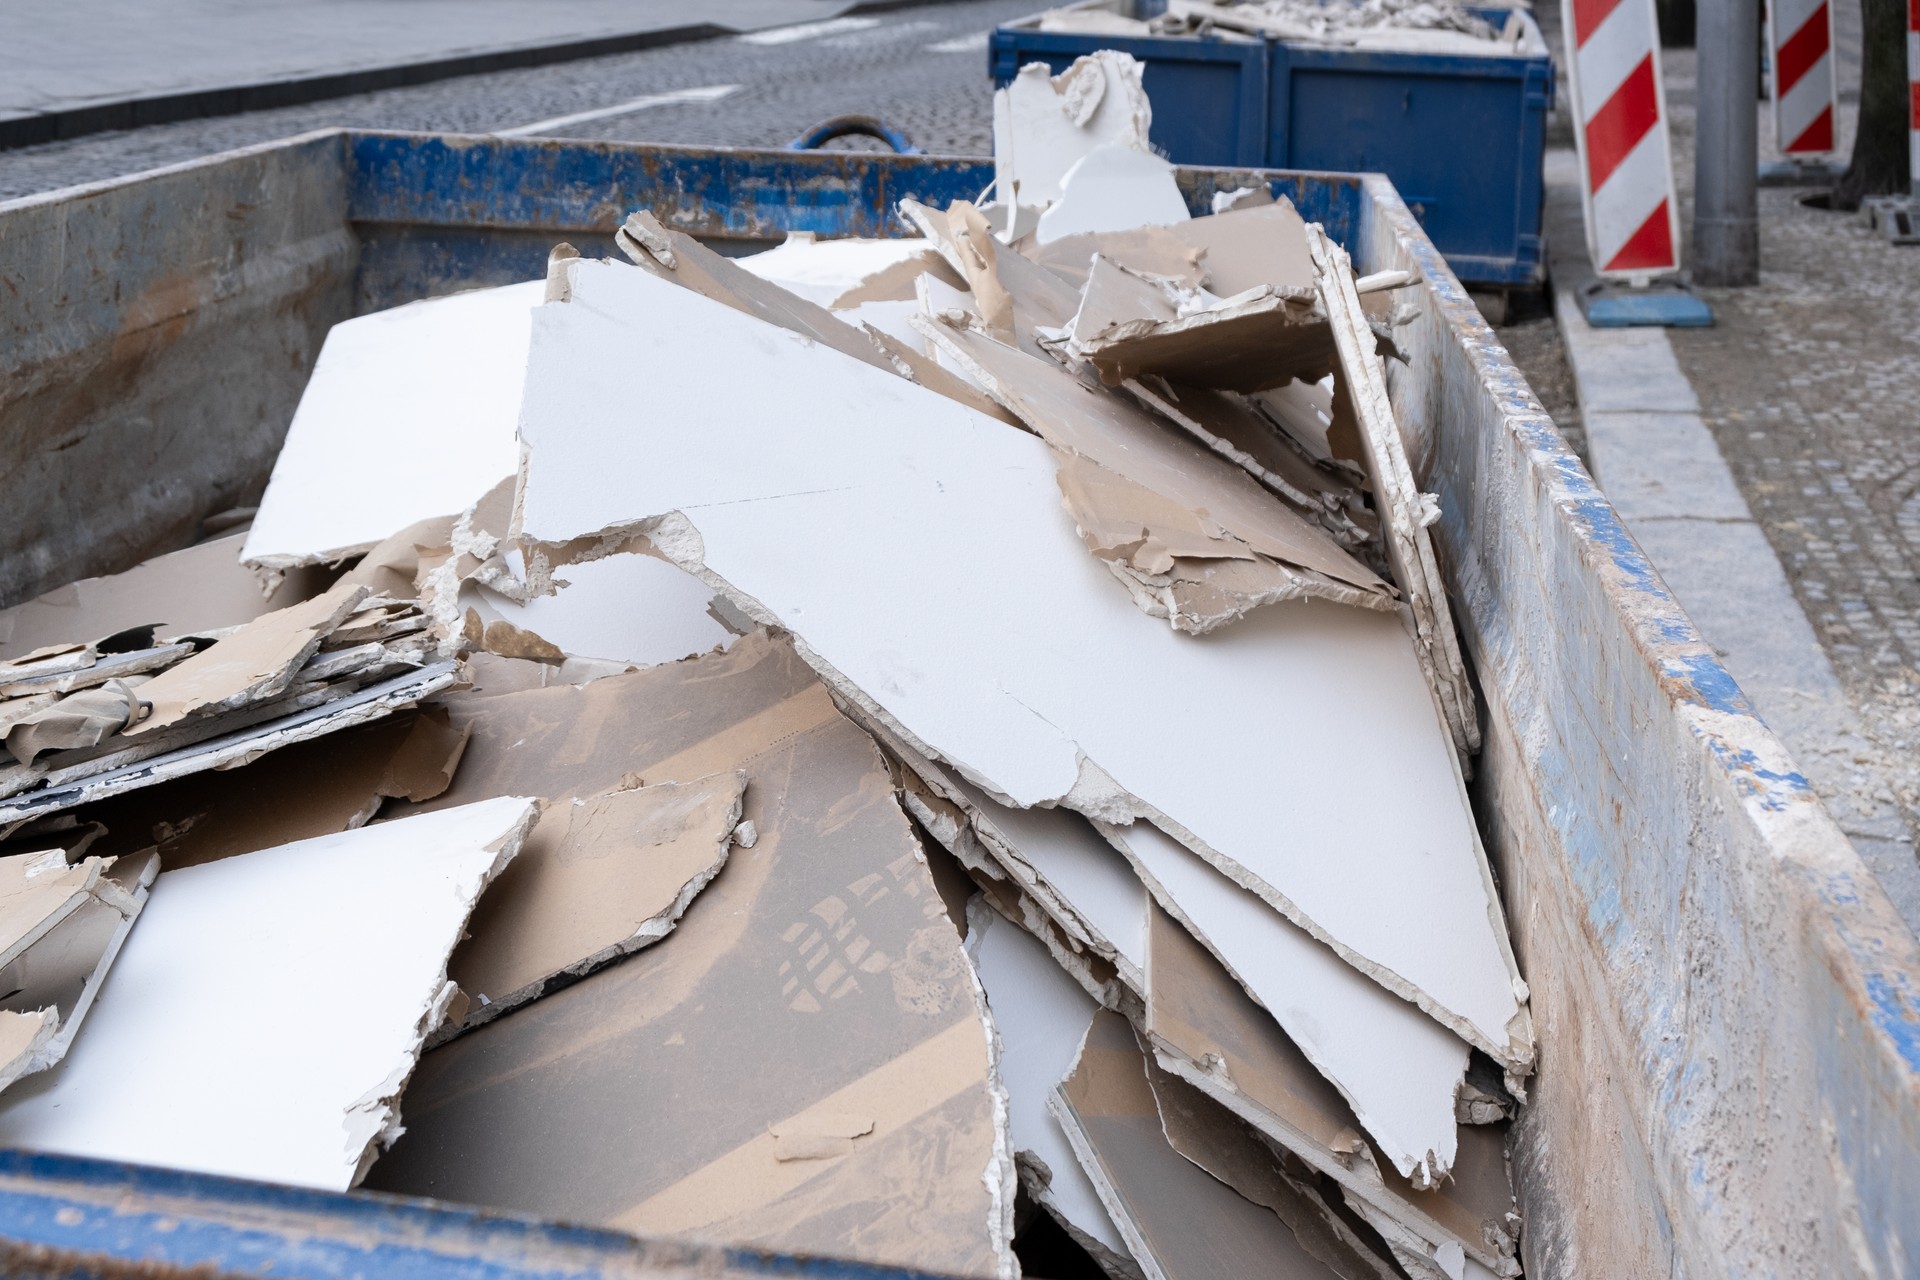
923,70
1810,383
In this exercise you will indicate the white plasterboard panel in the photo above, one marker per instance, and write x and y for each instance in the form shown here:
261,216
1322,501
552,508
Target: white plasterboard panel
262,1019
1397,1067
1041,1016
821,270
1078,864
409,414
1113,188
1043,124
918,550
625,608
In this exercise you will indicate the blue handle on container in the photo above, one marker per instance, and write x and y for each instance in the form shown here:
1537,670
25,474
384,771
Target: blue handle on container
843,126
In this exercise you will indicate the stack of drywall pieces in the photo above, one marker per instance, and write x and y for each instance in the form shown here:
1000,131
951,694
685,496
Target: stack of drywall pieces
1428,26
939,745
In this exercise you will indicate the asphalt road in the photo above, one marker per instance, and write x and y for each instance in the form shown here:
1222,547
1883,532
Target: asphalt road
923,70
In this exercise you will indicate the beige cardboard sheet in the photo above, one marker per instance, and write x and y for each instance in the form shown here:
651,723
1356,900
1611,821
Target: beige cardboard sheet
202,588
1180,1222
254,663
600,877
816,982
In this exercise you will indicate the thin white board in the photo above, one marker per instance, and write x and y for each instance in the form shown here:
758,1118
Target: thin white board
409,414
262,1019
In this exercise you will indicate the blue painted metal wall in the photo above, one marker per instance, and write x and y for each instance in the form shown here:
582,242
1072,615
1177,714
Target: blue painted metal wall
63,1218
437,212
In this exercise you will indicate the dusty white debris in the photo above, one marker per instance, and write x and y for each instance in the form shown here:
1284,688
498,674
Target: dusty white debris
974,719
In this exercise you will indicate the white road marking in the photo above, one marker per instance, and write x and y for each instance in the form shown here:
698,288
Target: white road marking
809,31
707,93
961,44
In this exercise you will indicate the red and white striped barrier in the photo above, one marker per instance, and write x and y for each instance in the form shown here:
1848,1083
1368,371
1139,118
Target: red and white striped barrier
1913,95
1800,52
1620,116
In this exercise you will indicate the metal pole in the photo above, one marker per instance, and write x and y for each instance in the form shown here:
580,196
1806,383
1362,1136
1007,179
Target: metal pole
1726,230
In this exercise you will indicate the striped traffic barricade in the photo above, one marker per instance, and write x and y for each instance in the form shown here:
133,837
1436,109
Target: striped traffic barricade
1620,117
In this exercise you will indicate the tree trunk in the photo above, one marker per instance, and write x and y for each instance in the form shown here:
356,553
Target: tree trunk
1879,164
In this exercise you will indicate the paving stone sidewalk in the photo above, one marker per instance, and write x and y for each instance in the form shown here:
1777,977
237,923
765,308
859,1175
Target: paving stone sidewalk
1810,383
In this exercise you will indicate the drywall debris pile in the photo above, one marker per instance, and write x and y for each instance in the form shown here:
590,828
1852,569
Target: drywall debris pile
893,750
1431,26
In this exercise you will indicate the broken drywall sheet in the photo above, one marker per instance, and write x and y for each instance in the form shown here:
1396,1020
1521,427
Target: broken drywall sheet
314,788
817,976
1043,124
1246,248
1152,499
1406,512
600,877
263,1019
1300,711
1180,1222
252,664
1204,1028
1113,188
1128,326
627,607
1056,856
203,588
60,928
1230,426
1152,251
227,741
1041,1014
673,256
409,414
1397,1068
1225,1146
826,272
1003,880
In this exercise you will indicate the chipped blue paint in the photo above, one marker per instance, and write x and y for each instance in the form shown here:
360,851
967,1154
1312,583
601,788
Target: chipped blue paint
1896,1013
61,1216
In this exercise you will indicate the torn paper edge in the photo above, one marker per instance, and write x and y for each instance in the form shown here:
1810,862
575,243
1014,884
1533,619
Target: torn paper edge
645,934
243,746
373,1122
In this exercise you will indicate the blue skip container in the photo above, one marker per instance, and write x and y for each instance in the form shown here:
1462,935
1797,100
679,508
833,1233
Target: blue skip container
1463,136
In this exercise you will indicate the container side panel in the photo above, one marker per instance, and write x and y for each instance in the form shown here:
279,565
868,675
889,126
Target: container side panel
63,1218
158,331
545,185
1729,1077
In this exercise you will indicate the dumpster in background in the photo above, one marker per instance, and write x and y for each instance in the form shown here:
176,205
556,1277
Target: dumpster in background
1727,1007
1463,137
